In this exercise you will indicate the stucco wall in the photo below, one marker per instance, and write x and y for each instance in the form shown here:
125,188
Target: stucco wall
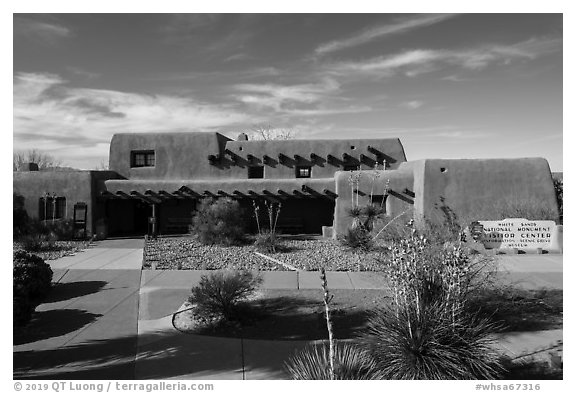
177,155
74,186
321,166
185,156
474,188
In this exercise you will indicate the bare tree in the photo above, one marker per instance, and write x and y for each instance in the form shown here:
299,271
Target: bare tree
44,160
267,132
102,166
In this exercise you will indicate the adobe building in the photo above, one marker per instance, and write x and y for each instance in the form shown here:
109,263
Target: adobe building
155,181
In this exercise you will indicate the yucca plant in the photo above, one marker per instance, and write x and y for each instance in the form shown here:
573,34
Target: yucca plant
426,333
267,240
350,363
432,343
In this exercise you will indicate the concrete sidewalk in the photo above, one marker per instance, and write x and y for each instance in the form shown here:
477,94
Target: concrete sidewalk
106,254
87,327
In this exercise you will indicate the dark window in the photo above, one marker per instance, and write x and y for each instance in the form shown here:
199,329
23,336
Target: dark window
303,171
52,208
350,168
255,172
143,158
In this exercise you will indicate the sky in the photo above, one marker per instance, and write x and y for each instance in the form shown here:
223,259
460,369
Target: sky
447,85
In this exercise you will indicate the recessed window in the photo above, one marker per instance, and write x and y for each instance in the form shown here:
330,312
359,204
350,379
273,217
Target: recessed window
303,171
255,172
143,158
51,208
350,168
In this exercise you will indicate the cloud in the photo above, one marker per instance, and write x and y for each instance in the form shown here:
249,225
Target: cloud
398,27
50,115
278,96
237,57
419,61
328,111
412,104
45,32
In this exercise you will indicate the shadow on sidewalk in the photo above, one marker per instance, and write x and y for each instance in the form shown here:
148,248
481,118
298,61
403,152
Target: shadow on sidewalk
52,323
71,290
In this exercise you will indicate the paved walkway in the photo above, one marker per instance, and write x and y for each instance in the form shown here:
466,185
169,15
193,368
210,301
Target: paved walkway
87,327
107,319
106,255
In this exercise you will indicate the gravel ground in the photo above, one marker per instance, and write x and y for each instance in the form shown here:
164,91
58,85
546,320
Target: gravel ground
188,254
59,249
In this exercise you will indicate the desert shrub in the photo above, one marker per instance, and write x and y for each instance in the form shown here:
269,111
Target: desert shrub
429,343
559,189
357,239
19,217
221,292
31,274
22,310
219,221
351,363
32,279
62,229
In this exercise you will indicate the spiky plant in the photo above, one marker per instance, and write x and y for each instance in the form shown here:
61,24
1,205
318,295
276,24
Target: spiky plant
429,344
350,363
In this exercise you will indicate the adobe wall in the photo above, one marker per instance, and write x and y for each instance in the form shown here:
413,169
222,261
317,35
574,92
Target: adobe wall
185,156
392,150
400,199
177,155
474,188
74,186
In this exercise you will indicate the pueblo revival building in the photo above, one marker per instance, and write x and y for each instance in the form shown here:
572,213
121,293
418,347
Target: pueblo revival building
156,180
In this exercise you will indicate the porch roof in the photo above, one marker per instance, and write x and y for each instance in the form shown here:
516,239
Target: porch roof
157,191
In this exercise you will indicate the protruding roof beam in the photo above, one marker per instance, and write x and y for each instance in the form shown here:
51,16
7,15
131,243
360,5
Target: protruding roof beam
253,194
188,191
144,198
123,195
330,193
239,194
284,193
299,194
310,190
107,194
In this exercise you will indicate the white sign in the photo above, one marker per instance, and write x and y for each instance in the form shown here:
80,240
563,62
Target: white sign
517,233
